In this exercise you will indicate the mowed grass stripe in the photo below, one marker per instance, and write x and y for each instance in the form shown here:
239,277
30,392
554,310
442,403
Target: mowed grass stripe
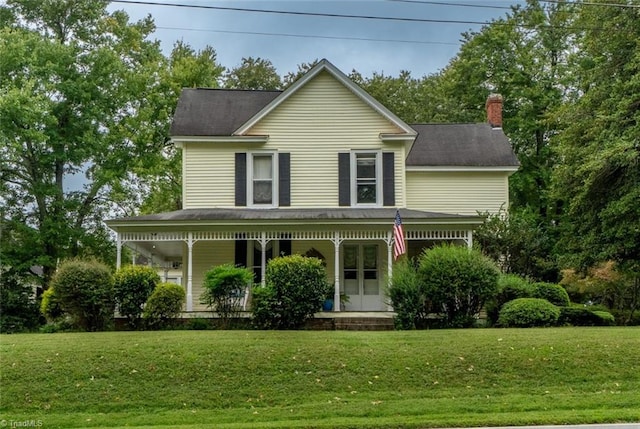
322,379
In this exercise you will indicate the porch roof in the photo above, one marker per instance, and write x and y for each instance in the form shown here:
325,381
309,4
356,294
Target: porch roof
280,216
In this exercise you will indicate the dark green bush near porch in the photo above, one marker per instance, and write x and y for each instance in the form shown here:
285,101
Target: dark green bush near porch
582,316
224,288
407,295
527,313
459,281
553,293
132,286
296,287
84,290
164,306
510,287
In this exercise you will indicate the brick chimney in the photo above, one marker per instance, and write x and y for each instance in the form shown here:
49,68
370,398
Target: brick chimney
494,110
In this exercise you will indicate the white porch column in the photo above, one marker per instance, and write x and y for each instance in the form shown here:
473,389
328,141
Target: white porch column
470,239
134,253
190,272
336,291
389,255
118,251
263,258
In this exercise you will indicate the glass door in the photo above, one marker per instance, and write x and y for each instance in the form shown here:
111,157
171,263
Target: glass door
361,277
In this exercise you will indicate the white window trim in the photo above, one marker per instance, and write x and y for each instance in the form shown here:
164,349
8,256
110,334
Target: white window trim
275,178
354,178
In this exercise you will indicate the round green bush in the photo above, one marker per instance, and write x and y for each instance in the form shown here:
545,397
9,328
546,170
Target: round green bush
164,305
224,290
295,289
409,301
510,287
84,290
458,280
553,293
528,312
132,286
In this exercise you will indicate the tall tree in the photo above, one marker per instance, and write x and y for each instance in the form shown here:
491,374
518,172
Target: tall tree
74,78
253,73
158,176
599,142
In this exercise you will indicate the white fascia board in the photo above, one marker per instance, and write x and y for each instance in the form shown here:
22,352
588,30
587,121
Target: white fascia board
462,168
179,140
341,77
400,138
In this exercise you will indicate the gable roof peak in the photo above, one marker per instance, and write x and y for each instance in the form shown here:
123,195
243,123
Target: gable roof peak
326,65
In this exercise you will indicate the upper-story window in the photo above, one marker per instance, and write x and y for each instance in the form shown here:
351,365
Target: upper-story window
366,178
262,183
366,183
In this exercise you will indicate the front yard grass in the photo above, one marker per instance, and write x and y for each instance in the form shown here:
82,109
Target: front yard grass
252,379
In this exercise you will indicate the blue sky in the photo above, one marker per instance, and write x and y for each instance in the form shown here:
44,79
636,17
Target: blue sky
228,32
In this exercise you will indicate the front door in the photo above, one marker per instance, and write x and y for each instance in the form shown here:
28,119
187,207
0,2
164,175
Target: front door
361,278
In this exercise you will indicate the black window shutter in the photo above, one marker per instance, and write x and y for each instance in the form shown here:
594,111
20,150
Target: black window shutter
241,179
388,179
344,179
284,177
241,253
285,247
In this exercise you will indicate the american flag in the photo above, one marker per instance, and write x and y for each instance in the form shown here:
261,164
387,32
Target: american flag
398,237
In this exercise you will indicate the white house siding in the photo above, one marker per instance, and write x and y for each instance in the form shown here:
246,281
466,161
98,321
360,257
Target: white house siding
465,193
321,119
207,254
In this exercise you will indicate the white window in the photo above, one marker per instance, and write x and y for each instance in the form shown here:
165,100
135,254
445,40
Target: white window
366,179
262,181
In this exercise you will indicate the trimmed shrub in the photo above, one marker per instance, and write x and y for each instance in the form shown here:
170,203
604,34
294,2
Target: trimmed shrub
84,290
510,287
224,290
553,293
528,312
606,318
458,281
411,305
132,286
578,316
296,287
164,305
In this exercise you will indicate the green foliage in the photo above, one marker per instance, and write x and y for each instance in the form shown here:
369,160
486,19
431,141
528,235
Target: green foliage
84,290
520,242
50,306
18,307
458,281
527,313
510,287
553,293
253,74
224,290
132,286
583,316
296,287
410,303
164,305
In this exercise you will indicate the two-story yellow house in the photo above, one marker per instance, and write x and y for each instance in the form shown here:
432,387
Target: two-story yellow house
320,169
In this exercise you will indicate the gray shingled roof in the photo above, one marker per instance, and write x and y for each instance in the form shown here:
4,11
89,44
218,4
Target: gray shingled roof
219,112
472,145
216,112
280,214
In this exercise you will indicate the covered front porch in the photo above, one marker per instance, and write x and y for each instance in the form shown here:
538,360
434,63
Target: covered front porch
356,244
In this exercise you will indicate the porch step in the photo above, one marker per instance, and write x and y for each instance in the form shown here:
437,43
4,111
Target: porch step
363,324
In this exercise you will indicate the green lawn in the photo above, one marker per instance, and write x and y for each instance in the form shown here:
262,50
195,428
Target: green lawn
238,379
